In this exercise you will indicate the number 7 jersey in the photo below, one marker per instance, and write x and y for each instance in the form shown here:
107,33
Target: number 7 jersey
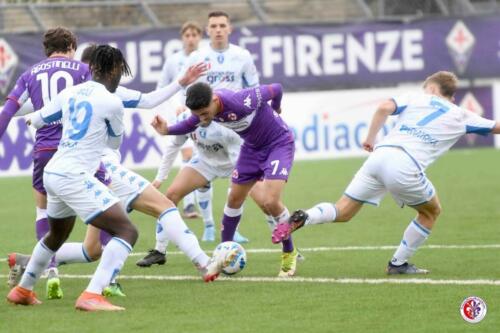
427,126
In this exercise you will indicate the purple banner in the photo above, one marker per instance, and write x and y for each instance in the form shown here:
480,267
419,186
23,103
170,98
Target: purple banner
306,57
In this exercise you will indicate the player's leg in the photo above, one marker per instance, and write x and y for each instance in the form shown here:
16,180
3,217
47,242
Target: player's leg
204,197
257,194
234,208
415,236
189,201
186,181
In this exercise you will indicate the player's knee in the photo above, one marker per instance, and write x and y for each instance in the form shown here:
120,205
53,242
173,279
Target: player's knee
272,205
344,216
173,195
129,233
94,251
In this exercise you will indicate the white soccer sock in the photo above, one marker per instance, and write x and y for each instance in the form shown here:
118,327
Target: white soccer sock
271,222
72,253
39,261
161,239
113,257
413,237
204,198
321,213
188,200
173,228
283,217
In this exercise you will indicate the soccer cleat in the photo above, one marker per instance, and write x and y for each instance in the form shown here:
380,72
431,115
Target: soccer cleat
208,234
17,265
53,289
405,268
216,264
95,302
22,296
284,230
190,212
239,238
288,263
153,257
113,290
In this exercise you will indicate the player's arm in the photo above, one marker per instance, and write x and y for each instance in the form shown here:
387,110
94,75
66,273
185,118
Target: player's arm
135,99
250,74
25,109
172,148
384,110
479,125
496,129
115,126
272,92
50,113
15,99
183,127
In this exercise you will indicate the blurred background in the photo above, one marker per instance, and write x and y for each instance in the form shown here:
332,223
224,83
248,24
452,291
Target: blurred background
337,59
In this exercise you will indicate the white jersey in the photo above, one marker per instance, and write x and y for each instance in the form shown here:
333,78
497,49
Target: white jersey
427,126
92,120
232,68
215,145
171,68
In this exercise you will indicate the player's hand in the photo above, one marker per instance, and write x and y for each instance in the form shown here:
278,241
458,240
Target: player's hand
193,73
156,183
160,125
180,109
368,145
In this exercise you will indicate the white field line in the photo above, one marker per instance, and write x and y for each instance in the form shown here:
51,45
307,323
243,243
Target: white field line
346,248
353,248
263,279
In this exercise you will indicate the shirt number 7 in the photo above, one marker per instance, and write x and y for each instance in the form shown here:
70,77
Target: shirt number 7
441,110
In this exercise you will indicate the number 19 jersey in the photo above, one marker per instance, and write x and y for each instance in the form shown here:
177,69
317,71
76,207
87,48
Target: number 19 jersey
427,126
91,116
42,82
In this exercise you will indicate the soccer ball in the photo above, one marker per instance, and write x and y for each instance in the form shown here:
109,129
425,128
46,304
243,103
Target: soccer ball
234,255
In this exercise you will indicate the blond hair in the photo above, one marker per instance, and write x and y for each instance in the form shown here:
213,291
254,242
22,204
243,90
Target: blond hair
447,82
191,25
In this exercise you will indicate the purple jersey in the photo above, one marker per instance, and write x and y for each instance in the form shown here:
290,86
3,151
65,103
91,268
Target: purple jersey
41,83
248,113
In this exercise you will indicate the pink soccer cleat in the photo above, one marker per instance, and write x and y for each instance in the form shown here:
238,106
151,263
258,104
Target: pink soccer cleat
21,296
95,302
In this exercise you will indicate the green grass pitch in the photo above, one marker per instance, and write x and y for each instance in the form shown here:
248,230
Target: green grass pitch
332,292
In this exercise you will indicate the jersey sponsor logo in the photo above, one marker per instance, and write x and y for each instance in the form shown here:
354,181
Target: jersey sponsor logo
473,309
418,133
214,77
211,148
8,64
460,42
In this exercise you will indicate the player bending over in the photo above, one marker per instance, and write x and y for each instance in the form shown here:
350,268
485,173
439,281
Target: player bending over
267,151
428,124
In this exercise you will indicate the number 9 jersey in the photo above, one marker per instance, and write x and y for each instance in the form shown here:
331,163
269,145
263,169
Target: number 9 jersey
427,126
92,120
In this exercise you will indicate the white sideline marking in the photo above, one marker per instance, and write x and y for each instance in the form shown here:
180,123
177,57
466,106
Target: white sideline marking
263,279
352,248
345,248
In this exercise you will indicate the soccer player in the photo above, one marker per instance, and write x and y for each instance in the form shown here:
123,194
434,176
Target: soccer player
230,67
130,99
191,34
92,119
91,249
428,124
267,151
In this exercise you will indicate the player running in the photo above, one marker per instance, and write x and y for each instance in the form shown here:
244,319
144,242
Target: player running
428,124
267,151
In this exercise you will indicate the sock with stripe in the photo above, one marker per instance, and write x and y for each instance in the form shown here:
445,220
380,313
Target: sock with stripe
413,237
38,262
322,213
71,253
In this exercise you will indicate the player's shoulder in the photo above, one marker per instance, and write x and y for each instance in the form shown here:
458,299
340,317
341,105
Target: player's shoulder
239,51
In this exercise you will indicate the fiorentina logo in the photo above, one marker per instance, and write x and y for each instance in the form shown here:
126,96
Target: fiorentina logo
470,103
473,309
235,174
232,116
460,42
8,63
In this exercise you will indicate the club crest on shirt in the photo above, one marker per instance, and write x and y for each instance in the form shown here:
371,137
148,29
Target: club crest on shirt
220,58
232,116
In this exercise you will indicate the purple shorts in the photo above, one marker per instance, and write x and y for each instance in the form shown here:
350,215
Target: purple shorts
273,162
40,160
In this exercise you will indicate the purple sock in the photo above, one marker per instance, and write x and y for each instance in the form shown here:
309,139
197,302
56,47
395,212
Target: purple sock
288,245
229,225
105,238
42,227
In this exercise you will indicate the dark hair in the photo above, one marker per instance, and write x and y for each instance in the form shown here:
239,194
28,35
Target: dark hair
58,40
198,96
191,25
107,59
218,13
87,53
447,82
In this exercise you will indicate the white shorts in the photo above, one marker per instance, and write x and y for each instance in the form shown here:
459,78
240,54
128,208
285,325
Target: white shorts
188,144
391,169
209,172
76,194
126,184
